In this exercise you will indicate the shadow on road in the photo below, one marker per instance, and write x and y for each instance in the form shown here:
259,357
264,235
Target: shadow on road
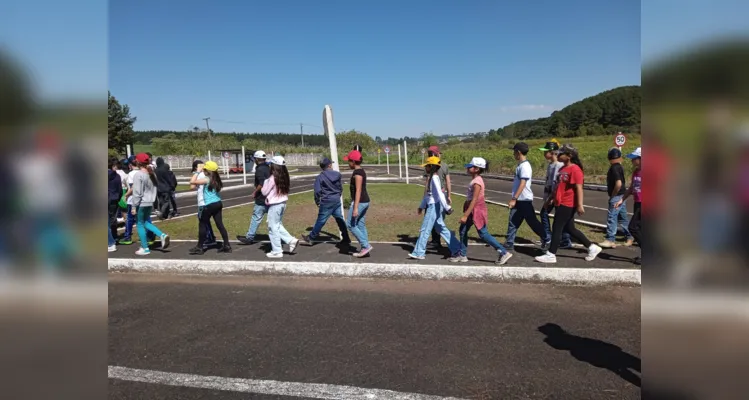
594,352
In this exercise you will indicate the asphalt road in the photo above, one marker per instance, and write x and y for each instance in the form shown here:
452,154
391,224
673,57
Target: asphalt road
483,341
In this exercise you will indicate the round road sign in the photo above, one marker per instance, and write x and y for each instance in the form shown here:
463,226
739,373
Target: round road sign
226,154
423,151
386,149
620,139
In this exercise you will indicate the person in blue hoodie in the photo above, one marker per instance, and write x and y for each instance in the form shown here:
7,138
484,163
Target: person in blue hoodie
115,192
328,190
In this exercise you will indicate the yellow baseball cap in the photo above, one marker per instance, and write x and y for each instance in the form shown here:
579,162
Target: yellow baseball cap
211,166
433,160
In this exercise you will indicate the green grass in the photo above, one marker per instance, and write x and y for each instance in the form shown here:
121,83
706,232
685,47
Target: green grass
392,217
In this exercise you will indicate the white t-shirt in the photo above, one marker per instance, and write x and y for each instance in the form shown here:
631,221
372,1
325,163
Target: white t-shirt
130,180
123,178
201,199
523,172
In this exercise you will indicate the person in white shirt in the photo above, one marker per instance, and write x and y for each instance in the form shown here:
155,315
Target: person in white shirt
432,205
521,204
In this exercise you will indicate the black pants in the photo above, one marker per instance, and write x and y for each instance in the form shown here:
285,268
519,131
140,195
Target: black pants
113,207
173,200
564,221
635,228
165,203
212,210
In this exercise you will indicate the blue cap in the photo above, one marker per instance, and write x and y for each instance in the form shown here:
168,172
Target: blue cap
325,162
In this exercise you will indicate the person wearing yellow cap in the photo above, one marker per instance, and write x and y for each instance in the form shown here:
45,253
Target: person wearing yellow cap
212,186
432,206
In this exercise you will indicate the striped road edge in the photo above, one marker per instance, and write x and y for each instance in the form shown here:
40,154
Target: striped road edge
584,276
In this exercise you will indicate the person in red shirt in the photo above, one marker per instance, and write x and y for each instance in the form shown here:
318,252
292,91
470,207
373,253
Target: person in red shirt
568,199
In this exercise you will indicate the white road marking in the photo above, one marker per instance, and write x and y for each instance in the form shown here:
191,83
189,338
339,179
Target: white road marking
266,387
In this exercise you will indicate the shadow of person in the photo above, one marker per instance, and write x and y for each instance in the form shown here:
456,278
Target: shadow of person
594,352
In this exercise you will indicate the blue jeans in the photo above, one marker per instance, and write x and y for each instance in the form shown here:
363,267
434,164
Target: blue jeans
145,224
483,234
276,230
357,225
566,239
325,211
257,218
111,241
130,221
209,236
524,211
616,216
432,219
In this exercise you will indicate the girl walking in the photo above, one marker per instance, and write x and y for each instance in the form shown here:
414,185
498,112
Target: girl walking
476,213
276,192
356,222
434,205
212,186
568,199
210,238
144,194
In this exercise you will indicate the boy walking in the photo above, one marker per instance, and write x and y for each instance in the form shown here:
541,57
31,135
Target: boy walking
328,191
616,185
262,172
551,153
521,204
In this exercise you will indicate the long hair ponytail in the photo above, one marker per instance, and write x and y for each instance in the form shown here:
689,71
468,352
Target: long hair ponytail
575,159
151,174
281,177
215,184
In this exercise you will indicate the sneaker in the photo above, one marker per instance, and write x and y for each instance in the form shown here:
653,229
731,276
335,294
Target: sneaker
456,259
345,241
126,241
142,252
547,258
415,257
503,258
629,242
545,246
151,242
363,252
567,246
245,240
274,255
225,249
112,248
208,245
435,245
164,241
607,244
593,251
293,245
305,240
196,251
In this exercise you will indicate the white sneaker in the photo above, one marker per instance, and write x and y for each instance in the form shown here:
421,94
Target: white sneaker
164,241
503,258
293,245
112,248
274,255
415,257
457,259
142,252
547,258
593,251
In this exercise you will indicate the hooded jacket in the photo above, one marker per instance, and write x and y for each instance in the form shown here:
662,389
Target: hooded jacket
115,186
162,175
328,187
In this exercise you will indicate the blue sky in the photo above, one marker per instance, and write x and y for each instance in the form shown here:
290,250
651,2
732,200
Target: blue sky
389,68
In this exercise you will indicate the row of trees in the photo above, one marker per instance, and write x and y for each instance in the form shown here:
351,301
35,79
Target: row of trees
608,112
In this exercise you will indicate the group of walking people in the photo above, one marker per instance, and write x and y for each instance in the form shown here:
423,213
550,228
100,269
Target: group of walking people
563,195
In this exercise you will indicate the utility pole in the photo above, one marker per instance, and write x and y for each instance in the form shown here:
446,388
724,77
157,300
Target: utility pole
301,130
206,126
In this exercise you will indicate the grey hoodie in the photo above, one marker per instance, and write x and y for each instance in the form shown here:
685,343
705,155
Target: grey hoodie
144,191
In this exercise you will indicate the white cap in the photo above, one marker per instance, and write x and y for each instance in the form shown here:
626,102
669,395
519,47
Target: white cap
278,160
260,154
635,154
477,162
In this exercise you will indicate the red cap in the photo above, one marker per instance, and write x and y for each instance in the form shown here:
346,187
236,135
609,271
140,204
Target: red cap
142,158
354,155
434,149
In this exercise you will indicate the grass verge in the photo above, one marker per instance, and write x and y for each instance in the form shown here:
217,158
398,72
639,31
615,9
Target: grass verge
392,217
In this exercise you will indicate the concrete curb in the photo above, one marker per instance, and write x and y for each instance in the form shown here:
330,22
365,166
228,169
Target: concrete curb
584,276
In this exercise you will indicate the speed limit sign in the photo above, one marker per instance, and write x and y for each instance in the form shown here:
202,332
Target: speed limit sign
620,140
226,154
